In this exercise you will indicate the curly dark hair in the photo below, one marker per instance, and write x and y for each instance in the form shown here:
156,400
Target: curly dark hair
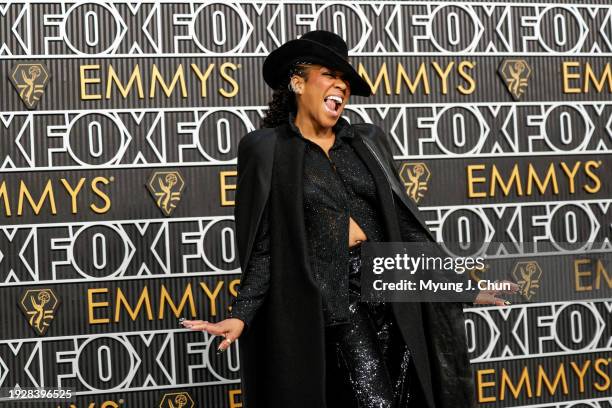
283,100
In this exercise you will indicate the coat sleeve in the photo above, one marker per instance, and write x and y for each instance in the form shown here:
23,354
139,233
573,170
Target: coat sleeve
255,279
410,229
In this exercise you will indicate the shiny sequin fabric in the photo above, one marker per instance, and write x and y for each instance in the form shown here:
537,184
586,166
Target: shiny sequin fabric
368,363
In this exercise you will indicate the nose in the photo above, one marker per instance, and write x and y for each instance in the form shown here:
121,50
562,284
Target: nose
341,83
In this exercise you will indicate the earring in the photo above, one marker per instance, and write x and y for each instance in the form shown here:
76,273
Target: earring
292,88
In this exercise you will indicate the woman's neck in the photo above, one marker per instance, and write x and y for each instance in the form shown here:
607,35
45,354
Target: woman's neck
310,129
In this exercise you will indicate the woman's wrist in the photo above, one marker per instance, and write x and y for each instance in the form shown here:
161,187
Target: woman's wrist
236,314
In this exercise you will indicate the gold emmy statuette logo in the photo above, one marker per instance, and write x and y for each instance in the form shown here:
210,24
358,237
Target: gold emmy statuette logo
528,276
30,81
166,188
515,73
39,306
477,273
177,400
415,177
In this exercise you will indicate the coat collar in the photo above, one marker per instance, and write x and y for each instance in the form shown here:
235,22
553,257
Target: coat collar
342,128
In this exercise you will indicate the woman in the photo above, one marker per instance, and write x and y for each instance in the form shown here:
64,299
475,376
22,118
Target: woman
311,188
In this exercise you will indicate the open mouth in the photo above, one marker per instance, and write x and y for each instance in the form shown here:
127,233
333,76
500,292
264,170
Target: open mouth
332,104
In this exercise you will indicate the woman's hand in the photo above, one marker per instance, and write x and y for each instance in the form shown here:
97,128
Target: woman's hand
489,297
230,328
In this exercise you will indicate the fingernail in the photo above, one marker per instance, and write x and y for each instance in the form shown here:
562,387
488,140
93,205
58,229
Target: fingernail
220,350
507,302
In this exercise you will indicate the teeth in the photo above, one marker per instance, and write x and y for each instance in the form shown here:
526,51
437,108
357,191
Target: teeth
335,98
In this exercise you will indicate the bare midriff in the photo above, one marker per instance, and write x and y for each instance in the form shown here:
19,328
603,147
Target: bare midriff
356,234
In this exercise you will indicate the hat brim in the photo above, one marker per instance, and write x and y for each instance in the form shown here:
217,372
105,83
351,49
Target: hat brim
277,63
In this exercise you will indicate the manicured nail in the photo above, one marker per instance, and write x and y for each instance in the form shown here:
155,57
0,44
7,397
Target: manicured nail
507,302
220,350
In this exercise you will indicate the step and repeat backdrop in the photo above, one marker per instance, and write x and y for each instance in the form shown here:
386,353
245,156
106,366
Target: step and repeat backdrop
119,127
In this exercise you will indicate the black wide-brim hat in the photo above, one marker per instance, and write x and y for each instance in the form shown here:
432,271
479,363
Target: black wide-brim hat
318,47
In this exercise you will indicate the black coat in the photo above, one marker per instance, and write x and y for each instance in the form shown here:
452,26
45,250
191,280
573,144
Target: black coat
282,354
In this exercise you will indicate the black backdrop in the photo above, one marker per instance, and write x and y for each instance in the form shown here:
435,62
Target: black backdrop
118,138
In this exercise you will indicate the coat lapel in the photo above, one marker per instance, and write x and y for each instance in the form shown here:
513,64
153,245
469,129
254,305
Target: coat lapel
372,138
255,154
382,187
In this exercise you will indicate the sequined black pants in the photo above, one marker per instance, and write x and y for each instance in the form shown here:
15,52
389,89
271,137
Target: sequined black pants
368,363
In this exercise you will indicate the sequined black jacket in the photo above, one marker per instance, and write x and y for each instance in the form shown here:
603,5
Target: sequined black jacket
282,352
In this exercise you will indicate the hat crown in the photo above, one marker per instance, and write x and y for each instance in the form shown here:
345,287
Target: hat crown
315,47
329,40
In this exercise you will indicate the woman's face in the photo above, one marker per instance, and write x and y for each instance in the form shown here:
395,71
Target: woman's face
323,95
